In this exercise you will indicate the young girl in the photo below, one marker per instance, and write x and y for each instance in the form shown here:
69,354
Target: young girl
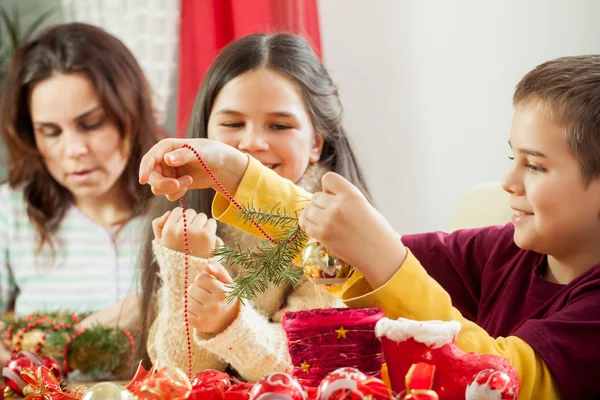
528,291
76,117
270,97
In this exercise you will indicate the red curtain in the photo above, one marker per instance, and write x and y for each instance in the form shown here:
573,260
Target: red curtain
209,25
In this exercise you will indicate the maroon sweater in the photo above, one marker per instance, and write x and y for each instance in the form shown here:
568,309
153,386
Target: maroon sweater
497,285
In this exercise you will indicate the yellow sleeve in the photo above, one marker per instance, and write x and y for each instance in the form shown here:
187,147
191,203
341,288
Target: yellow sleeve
413,294
261,188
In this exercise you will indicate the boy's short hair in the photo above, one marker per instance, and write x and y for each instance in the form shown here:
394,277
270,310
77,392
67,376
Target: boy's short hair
570,88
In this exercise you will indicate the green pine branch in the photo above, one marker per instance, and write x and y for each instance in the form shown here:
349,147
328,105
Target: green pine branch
52,318
268,263
100,350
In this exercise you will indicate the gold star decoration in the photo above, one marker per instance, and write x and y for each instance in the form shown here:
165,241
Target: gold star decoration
305,366
341,333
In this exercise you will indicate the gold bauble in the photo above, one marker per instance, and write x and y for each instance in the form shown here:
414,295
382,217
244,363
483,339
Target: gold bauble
29,342
8,392
108,391
322,267
27,390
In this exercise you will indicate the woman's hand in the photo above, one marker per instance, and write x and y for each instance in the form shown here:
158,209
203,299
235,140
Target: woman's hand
159,164
124,314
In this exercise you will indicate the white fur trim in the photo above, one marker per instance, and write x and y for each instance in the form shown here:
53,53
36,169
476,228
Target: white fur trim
433,334
476,391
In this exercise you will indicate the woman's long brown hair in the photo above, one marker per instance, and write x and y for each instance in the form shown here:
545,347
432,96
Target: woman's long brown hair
124,94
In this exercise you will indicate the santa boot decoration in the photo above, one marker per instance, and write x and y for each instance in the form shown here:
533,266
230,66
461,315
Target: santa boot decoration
407,342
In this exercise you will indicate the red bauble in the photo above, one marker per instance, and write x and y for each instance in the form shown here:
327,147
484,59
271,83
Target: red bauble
24,360
211,378
374,389
210,384
342,381
278,386
53,366
351,384
165,383
491,384
422,394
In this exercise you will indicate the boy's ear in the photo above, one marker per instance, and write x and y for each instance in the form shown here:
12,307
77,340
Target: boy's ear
317,148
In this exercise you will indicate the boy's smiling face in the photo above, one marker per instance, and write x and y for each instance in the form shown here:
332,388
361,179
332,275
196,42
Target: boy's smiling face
556,211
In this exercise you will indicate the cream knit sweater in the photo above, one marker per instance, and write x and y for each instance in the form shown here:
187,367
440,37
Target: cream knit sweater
255,343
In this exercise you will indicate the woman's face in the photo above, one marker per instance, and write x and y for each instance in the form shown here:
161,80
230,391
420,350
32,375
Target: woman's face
82,149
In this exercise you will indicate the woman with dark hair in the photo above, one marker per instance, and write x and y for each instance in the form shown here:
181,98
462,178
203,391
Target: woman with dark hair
76,117
270,97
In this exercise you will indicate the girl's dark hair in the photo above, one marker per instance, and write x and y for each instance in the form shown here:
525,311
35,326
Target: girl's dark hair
124,94
293,57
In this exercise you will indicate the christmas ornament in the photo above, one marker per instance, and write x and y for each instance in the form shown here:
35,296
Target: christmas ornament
342,381
166,383
349,384
53,366
40,333
211,378
322,267
322,340
108,391
96,351
406,342
41,384
421,394
21,361
490,384
419,381
240,391
141,374
29,340
214,385
278,386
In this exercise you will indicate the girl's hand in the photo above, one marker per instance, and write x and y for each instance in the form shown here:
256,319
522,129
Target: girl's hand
208,308
341,218
201,232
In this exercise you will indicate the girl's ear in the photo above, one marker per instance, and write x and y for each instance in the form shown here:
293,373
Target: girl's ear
317,148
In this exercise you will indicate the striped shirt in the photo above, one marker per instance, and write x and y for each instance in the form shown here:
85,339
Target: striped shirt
91,268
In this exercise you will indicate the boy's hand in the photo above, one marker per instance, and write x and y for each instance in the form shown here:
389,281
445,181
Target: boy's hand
201,232
342,219
158,165
208,308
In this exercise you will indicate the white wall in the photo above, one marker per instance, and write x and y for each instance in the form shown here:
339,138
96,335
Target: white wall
427,89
